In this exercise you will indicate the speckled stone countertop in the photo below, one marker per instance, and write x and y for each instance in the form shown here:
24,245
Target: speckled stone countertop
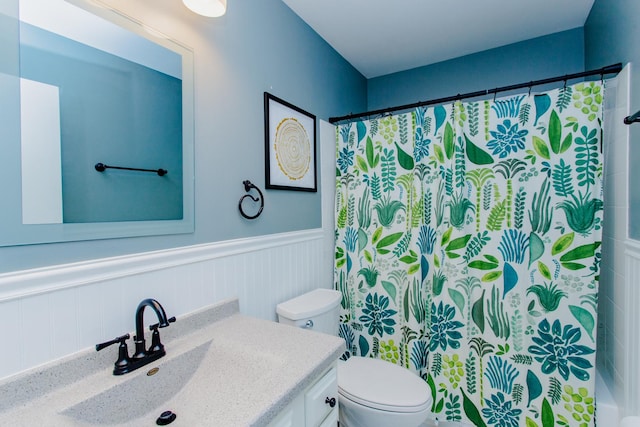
221,369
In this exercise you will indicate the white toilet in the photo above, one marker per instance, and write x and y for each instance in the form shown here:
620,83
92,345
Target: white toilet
372,392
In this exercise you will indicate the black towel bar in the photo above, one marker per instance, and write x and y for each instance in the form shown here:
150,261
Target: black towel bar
632,119
101,167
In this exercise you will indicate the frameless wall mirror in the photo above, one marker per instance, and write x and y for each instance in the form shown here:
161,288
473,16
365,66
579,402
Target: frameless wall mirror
103,144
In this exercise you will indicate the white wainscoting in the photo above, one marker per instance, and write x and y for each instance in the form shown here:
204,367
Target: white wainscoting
631,327
52,312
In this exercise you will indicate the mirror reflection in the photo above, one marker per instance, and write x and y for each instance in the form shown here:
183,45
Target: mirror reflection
98,88
88,96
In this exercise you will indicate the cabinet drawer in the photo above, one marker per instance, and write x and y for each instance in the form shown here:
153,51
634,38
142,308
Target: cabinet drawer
317,399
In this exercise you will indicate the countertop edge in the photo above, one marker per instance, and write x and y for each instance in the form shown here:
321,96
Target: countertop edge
272,412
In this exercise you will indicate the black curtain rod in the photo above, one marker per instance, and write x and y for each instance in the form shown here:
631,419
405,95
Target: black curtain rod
610,69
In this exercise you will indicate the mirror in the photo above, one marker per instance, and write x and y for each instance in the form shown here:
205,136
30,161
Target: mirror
104,141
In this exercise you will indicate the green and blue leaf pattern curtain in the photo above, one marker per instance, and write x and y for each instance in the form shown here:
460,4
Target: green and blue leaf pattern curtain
468,250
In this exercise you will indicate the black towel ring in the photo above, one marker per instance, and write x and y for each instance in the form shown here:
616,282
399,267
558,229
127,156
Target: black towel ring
248,185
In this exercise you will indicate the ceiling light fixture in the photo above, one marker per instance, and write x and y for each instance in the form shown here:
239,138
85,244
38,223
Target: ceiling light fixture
210,8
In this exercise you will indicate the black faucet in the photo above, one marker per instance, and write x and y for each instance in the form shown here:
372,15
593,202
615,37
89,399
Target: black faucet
141,351
142,355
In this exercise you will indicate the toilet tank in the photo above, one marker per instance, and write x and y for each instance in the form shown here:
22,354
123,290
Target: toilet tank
317,310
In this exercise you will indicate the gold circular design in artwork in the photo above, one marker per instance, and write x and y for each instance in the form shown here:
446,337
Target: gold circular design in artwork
293,149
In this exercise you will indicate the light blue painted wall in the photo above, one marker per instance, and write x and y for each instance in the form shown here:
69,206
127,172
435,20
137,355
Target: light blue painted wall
258,46
539,58
612,32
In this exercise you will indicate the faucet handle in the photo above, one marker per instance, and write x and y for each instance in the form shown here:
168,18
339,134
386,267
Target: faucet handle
156,345
155,326
120,340
122,364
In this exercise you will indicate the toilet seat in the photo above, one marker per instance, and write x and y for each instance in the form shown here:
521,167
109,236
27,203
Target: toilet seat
382,385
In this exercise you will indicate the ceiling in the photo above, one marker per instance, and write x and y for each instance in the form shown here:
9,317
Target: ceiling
380,37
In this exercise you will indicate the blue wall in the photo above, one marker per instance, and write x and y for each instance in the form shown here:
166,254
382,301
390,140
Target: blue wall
539,58
258,46
612,32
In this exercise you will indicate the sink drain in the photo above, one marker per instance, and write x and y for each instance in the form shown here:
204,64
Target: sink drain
167,417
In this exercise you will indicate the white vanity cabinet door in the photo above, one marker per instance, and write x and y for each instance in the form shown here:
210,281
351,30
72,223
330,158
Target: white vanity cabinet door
310,409
332,419
292,416
318,397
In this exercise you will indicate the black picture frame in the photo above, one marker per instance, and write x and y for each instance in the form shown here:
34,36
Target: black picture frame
290,146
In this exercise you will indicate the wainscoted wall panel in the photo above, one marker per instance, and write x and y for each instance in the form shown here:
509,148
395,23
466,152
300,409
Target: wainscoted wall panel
56,311
9,318
629,332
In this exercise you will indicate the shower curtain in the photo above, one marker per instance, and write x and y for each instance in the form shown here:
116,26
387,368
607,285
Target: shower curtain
468,250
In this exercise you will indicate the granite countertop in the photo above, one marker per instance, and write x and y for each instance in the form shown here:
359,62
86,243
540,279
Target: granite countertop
221,369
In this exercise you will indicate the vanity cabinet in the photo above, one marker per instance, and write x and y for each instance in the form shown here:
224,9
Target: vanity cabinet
314,407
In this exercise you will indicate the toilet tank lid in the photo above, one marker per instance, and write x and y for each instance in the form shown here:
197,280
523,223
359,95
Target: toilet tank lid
310,304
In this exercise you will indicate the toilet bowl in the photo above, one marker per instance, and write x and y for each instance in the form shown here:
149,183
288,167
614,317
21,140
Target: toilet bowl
375,393
372,392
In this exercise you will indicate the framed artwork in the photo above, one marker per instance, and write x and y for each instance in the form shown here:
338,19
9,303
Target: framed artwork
290,146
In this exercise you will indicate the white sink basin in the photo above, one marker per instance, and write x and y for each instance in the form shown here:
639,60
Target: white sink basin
178,385
142,393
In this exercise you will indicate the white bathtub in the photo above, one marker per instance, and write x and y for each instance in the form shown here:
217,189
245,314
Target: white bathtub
607,412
